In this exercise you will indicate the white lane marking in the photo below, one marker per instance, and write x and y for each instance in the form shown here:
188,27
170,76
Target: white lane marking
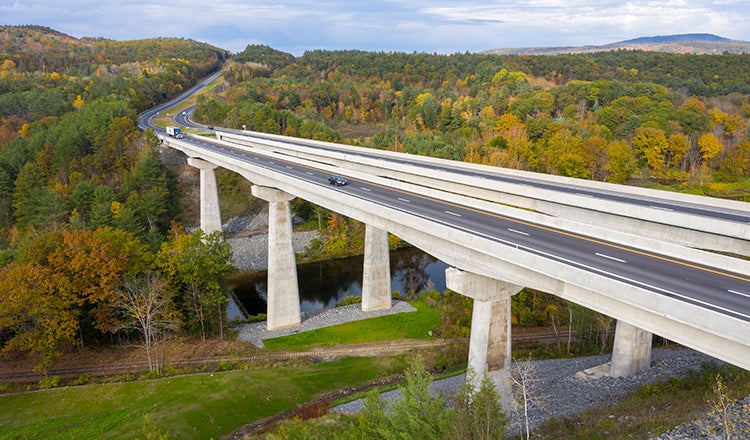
453,213
309,173
404,200
739,293
610,257
288,167
593,269
660,207
518,232
364,189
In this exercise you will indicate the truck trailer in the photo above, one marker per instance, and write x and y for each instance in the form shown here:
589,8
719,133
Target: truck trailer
175,132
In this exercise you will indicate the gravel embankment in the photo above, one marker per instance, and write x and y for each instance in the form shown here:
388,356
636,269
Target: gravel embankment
251,253
561,394
739,412
248,237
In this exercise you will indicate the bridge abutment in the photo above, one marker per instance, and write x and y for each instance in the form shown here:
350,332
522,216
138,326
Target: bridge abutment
376,273
490,342
283,289
210,212
631,352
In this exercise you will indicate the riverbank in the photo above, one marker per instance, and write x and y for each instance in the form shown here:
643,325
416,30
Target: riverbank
251,253
248,236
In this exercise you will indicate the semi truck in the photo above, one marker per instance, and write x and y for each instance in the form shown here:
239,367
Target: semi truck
175,132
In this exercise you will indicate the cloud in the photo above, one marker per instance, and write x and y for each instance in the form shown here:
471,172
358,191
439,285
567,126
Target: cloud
441,26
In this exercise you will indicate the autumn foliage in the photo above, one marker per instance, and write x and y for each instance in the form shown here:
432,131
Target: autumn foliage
620,116
76,287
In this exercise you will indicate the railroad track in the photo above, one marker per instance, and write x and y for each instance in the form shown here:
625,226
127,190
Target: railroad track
374,349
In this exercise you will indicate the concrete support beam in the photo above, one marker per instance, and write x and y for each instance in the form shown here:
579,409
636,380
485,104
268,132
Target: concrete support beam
376,277
210,213
490,343
283,289
631,352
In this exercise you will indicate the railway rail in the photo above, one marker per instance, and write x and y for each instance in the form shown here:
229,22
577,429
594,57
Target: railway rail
373,349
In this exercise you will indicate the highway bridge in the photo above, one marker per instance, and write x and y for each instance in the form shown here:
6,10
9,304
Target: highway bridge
469,217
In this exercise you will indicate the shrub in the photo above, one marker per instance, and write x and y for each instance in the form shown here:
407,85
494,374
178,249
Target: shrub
351,299
49,382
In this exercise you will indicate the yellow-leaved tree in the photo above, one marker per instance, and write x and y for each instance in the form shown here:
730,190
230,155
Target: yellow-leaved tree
710,147
37,310
78,103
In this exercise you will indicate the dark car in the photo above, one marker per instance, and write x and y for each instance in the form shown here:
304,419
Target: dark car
337,180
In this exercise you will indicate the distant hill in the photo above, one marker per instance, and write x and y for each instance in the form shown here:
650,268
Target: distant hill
682,43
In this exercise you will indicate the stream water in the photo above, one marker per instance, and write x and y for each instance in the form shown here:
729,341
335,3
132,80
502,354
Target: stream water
326,283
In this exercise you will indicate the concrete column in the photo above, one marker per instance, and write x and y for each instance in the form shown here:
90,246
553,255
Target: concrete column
376,277
490,343
210,213
283,289
631,352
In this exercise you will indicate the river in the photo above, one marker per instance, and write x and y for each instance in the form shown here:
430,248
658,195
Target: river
326,283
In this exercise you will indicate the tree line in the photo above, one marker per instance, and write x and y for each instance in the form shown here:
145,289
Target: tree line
71,287
620,116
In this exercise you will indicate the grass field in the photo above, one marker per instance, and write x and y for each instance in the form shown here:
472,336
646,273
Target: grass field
414,325
200,406
203,406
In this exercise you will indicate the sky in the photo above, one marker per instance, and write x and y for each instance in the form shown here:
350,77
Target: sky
432,26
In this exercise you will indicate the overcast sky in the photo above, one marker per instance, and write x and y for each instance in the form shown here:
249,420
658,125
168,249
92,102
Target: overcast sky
440,26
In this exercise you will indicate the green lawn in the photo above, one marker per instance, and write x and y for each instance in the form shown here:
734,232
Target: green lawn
200,406
413,325
204,406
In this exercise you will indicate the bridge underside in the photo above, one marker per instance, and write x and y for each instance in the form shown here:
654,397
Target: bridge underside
488,272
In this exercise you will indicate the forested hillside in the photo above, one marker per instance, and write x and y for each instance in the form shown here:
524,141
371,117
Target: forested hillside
84,201
69,146
85,205
620,116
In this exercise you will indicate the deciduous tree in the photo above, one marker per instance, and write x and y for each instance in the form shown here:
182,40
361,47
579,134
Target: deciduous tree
40,315
145,303
197,265
92,272
710,147
621,162
650,143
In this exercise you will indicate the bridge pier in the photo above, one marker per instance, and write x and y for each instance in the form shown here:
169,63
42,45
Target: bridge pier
283,289
210,212
376,274
631,352
490,342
